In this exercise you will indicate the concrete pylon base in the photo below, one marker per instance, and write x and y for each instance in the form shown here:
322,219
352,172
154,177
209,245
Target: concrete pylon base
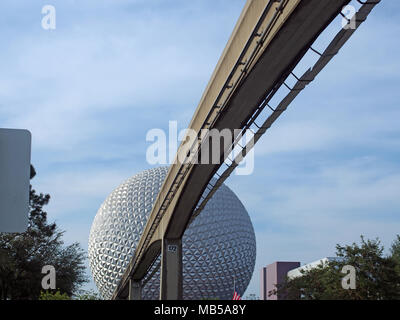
171,270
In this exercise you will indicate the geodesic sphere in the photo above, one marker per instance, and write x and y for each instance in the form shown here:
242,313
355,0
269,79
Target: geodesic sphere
219,246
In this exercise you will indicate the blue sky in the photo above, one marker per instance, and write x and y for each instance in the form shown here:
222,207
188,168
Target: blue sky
89,91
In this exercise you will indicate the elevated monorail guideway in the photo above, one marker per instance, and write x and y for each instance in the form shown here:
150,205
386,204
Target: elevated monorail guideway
269,40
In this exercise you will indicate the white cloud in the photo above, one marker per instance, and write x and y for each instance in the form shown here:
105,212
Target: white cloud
78,191
55,83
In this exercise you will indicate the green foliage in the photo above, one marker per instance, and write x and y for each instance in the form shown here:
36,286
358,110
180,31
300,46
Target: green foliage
395,253
57,295
88,295
48,295
23,255
377,276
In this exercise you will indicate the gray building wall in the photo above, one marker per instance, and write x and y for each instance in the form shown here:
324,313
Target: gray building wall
263,284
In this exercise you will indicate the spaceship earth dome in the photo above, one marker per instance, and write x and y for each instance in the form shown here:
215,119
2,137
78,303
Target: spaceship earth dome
219,246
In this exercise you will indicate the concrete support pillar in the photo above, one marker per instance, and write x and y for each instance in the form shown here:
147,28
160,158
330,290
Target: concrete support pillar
135,290
171,270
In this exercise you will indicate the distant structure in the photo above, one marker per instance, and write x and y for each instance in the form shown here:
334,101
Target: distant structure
296,273
275,273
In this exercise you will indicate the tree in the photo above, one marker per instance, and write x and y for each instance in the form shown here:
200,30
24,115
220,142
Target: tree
48,295
377,276
88,295
22,256
395,253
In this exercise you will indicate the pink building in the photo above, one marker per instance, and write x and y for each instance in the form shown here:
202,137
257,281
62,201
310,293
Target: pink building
273,275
